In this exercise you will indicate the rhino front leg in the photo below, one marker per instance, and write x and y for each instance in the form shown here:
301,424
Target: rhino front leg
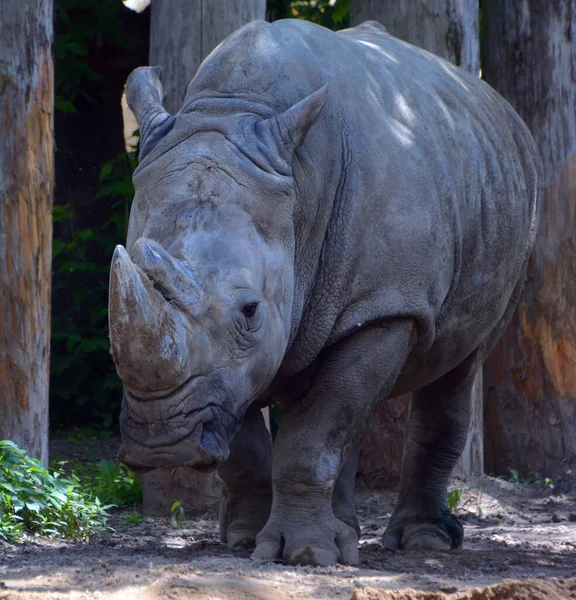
315,436
435,437
247,494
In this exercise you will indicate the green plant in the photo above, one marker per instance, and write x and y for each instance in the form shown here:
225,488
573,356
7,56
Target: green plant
84,28
133,517
481,487
115,484
85,434
329,13
83,381
177,514
454,497
34,500
533,478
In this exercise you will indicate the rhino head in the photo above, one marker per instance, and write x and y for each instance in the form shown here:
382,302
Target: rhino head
201,298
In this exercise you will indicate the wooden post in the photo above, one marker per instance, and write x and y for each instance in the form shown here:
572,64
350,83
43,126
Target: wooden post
26,187
529,56
182,34
448,28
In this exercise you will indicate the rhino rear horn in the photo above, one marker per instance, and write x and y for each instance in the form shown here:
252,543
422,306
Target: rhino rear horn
173,276
144,94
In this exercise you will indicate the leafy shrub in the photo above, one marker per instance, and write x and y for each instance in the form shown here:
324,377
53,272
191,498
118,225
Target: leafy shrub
82,27
111,482
84,386
116,484
33,500
329,13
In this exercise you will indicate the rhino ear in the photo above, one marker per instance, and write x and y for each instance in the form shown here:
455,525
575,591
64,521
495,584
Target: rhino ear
284,133
144,94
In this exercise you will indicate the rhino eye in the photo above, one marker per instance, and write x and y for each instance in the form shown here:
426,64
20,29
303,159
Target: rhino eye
249,309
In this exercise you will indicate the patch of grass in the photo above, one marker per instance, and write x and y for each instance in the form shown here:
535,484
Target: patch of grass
133,517
33,500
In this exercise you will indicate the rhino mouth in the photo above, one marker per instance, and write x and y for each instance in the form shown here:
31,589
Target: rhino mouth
202,449
173,431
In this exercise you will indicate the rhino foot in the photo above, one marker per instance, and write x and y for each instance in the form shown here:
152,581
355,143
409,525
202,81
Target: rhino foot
312,543
242,518
444,533
349,519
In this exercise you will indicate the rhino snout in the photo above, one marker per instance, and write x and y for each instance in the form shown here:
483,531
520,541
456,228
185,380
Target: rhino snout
203,449
187,428
150,332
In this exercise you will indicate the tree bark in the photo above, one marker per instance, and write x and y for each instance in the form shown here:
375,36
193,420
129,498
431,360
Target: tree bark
529,56
448,28
26,187
182,34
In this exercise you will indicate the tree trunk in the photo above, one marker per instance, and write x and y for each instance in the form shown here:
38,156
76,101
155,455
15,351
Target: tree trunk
529,56
182,34
448,28
26,185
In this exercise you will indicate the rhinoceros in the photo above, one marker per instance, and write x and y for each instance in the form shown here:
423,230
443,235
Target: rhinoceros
331,219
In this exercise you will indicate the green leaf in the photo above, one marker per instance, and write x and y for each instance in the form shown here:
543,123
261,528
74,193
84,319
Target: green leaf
64,105
105,171
177,514
61,212
73,341
8,486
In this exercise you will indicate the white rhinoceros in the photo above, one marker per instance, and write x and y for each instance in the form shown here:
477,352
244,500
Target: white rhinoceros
330,220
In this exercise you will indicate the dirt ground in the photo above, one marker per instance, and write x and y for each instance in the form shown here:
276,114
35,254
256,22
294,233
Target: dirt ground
520,540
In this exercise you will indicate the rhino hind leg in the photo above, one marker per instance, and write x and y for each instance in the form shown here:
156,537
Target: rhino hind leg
343,496
435,437
247,494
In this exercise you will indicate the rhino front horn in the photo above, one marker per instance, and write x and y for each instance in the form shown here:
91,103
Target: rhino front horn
148,335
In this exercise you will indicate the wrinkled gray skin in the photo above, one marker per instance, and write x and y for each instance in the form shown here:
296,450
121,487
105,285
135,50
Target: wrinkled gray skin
330,220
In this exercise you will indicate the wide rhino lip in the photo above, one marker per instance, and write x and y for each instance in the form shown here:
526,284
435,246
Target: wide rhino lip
202,450
176,430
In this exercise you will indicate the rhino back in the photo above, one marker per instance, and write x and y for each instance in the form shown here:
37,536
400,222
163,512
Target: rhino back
418,189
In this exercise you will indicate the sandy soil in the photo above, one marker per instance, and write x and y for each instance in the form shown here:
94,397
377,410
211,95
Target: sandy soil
520,539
